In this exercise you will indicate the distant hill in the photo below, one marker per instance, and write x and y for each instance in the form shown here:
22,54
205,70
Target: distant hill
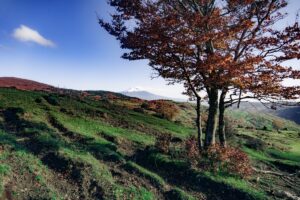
289,113
143,94
24,84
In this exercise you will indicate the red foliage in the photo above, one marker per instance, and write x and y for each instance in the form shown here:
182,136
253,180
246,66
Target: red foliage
136,100
227,160
111,96
84,94
23,84
192,150
97,98
165,109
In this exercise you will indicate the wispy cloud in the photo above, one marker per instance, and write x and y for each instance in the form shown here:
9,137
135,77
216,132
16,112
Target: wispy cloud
26,34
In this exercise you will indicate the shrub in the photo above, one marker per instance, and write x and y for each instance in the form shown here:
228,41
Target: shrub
256,144
52,100
227,160
145,105
278,124
38,100
163,143
111,96
191,149
136,100
163,108
83,95
230,128
97,98
140,110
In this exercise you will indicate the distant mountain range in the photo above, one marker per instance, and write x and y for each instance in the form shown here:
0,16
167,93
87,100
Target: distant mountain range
143,94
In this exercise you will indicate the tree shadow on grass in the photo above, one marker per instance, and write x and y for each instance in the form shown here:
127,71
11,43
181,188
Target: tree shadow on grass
179,173
39,139
31,136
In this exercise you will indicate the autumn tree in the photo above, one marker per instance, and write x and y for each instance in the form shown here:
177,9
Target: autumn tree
229,49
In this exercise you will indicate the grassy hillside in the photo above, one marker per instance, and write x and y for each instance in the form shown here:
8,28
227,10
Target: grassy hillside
102,146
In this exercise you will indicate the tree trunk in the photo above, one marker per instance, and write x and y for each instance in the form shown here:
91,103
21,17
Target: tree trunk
199,124
222,136
210,134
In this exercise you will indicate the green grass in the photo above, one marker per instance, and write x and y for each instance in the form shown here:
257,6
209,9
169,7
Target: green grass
239,184
28,163
4,172
99,170
285,155
92,127
259,120
153,177
181,195
161,124
257,155
273,157
133,193
295,147
126,127
234,182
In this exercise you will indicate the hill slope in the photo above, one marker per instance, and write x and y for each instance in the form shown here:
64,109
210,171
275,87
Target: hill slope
23,84
287,112
102,146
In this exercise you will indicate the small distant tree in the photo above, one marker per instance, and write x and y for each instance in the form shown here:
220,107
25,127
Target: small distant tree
229,49
278,124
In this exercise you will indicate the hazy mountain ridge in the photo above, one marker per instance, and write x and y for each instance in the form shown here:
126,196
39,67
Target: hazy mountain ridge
144,94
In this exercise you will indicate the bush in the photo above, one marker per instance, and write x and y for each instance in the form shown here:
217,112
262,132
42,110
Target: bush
230,128
111,96
145,105
163,108
97,98
278,124
38,100
136,100
191,149
140,110
227,160
163,143
256,144
52,100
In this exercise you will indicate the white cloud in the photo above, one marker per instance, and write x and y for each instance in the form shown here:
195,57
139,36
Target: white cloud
26,34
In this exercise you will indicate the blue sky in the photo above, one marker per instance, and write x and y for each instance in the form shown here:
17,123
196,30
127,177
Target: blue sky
67,48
